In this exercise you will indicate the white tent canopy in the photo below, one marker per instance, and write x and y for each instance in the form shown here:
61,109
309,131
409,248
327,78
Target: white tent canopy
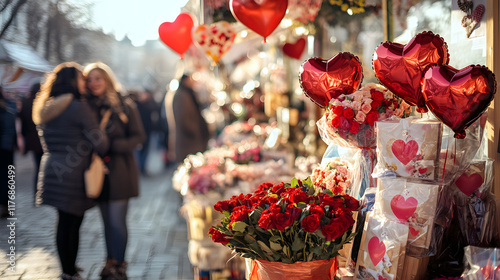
20,66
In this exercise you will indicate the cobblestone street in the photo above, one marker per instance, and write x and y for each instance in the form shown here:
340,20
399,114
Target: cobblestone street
157,247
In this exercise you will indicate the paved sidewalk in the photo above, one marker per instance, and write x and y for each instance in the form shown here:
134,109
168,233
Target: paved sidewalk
157,247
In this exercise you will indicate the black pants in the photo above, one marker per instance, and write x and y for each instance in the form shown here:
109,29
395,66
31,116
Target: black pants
68,237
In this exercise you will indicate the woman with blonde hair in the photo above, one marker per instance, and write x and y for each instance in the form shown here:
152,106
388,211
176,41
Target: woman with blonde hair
69,134
125,133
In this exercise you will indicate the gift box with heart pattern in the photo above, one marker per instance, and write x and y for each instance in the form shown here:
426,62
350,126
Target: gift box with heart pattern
408,148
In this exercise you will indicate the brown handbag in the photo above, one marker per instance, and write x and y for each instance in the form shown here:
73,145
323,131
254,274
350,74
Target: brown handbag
94,175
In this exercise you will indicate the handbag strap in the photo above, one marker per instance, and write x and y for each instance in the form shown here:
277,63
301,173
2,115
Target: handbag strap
105,119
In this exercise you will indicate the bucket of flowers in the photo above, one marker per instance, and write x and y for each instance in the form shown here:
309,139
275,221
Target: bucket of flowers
290,231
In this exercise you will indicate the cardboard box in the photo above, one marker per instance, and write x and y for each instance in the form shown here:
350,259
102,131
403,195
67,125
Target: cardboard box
415,268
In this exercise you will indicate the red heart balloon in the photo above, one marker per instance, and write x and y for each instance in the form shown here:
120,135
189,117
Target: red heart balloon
177,34
458,97
262,16
400,67
322,80
296,49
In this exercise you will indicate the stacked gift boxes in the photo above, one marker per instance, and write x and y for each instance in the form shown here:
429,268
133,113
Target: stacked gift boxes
425,206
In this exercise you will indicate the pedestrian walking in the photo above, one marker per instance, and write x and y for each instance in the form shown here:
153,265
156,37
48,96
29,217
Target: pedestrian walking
125,133
189,132
29,132
69,134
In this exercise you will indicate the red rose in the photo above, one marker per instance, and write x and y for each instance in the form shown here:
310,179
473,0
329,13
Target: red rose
336,121
354,127
266,221
349,113
299,196
371,118
345,124
315,209
218,236
351,203
310,223
282,221
375,105
221,206
238,216
332,230
278,189
265,186
338,110
294,212
377,95
271,200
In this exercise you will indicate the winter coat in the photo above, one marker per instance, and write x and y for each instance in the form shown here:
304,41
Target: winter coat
122,181
191,130
28,128
69,134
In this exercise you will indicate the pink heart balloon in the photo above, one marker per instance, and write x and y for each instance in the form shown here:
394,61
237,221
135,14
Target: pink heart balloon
323,80
215,40
177,34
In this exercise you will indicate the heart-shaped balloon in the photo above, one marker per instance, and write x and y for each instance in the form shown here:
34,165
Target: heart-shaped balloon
177,34
261,16
400,67
458,97
215,40
323,80
295,50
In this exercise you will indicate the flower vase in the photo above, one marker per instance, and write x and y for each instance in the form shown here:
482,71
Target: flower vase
313,270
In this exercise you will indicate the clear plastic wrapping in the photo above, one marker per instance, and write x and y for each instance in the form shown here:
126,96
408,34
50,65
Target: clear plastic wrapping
411,203
382,251
481,263
408,148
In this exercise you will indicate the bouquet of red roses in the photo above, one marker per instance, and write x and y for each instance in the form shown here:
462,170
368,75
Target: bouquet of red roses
349,119
286,223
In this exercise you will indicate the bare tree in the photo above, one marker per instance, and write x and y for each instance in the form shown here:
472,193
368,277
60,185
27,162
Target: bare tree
12,8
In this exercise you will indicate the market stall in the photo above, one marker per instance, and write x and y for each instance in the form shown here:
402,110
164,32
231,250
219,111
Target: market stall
361,159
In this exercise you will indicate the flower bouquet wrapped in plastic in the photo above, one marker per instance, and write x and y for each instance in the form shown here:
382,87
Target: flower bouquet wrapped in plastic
291,231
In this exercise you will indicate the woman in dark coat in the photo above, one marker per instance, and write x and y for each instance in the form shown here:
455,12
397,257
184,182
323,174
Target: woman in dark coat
70,133
125,133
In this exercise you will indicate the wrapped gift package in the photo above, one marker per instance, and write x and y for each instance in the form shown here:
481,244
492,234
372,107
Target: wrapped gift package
408,202
382,251
481,263
408,148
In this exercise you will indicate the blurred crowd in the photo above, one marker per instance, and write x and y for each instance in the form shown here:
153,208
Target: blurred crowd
76,113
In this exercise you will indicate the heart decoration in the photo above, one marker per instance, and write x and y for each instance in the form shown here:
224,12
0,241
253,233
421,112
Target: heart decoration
469,184
261,16
413,231
323,80
381,278
458,97
376,250
405,152
177,34
215,40
295,50
403,208
400,67
422,170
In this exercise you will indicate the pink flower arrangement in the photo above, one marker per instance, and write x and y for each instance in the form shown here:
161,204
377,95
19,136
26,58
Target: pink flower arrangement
349,120
334,175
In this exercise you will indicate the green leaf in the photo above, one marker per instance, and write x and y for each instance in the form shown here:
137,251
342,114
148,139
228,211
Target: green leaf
316,250
286,260
310,257
275,246
307,181
249,238
239,226
286,250
265,248
294,183
274,238
298,244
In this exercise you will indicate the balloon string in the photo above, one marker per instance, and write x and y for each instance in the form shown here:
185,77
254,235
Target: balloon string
455,158
445,159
